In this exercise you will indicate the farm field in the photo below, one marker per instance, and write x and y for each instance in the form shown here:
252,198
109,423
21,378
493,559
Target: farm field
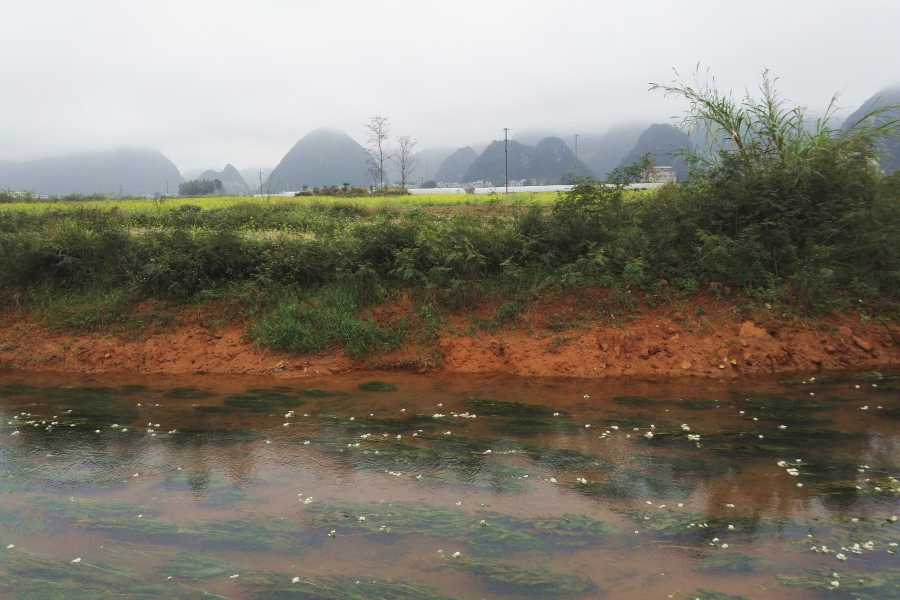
213,202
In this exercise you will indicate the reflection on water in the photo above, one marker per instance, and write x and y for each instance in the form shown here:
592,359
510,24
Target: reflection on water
393,486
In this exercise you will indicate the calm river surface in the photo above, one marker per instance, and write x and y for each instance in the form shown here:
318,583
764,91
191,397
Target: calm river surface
402,486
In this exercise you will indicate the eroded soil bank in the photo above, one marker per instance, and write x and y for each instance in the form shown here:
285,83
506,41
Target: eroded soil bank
706,338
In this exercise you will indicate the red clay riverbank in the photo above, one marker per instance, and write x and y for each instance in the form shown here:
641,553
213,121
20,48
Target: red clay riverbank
660,342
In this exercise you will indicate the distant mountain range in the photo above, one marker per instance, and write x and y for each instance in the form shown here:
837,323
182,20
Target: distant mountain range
326,157
659,140
890,148
453,169
323,157
126,171
232,182
547,162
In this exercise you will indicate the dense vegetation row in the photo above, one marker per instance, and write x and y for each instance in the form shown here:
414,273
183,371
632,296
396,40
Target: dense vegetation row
779,213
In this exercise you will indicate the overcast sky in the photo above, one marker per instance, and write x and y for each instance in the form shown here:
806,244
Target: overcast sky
213,82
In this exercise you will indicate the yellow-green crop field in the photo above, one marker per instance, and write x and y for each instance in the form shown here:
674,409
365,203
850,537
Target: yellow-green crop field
422,200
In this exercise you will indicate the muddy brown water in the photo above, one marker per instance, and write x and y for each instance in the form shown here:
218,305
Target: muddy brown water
448,486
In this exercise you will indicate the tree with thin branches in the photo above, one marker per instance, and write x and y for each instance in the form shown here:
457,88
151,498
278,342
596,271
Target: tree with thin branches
405,158
379,150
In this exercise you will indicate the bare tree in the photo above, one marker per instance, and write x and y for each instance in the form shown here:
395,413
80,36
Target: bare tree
404,158
379,150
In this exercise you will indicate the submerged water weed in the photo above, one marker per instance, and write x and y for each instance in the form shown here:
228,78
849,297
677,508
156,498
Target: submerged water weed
16,389
697,404
637,401
121,521
563,459
486,533
255,401
378,386
277,586
850,492
26,576
631,483
382,424
451,459
189,393
213,435
847,585
736,562
707,594
512,579
504,408
703,528
321,393
194,565
783,409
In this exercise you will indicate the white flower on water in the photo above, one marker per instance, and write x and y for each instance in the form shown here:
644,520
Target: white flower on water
613,427
553,480
835,583
76,560
648,435
864,407
437,415
586,396
456,554
10,546
840,556
361,519
555,414
724,546
295,580
782,427
235,576
731,527
308,500
685,427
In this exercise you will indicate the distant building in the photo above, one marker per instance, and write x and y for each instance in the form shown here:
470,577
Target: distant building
662,175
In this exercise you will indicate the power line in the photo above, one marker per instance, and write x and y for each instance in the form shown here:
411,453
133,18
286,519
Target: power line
506,155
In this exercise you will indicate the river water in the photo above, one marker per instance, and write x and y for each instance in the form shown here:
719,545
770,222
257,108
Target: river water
395,486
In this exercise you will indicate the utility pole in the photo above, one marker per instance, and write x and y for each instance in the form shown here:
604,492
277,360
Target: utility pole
260,182
576,158
506,155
